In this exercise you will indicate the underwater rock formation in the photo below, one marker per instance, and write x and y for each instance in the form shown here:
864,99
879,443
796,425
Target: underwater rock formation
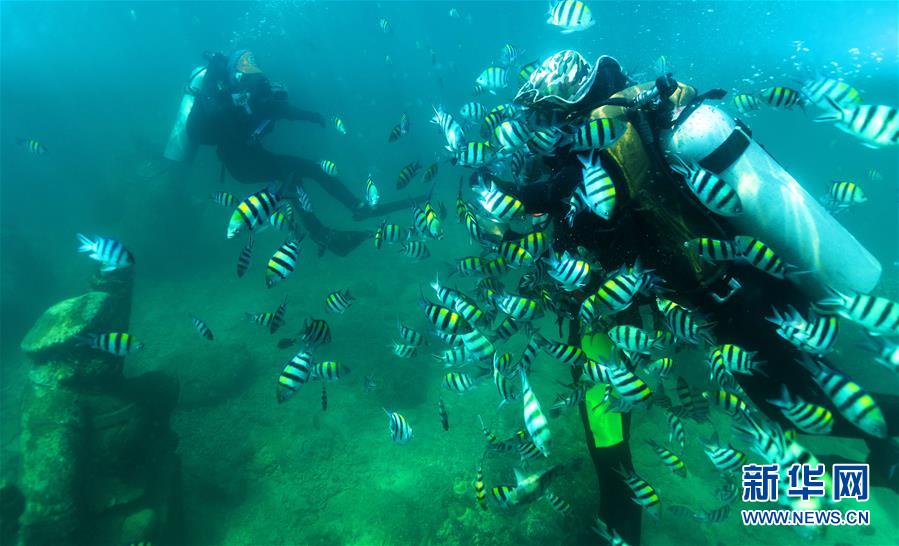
99,462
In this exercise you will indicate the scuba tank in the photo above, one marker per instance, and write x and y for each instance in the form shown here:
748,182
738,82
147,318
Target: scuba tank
776,208
180,147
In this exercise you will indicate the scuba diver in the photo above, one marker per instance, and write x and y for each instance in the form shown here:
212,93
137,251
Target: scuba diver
655,214
229,103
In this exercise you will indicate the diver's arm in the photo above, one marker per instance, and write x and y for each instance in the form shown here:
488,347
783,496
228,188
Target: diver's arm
290,112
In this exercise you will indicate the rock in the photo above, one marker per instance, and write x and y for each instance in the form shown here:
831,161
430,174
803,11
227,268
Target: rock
56,331
12,504
139,526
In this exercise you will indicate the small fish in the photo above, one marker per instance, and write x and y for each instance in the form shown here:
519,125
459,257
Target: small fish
430,172
324,397
644,494
277,319
822,91
712,191
731,403
404,351
500,206
109,252
724,457
243,261
407,173
714,516
329,167
473,111
712,250
737,359
880,316
31,146
338,125
114,343
509,54
519,307
280,221
385,26
669,459
444,417
782,97
294,375
415,249
372,195
202,328
632,339
452,131
511,135
252,212
570,272
853,402
597,190
807,417
474,154
524,73
662,366
338,302
223,198
746,103
329,370
558,504
571,16
760,256
493,79
399,428
676,433
303,200
610,536
316,332
263,319
480,489
597,134
444,319
843,194
282,263
534,420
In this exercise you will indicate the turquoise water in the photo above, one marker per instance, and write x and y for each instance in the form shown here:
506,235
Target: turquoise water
99,84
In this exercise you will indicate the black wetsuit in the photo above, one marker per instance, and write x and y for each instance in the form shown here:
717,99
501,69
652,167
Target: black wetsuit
236,128
741,320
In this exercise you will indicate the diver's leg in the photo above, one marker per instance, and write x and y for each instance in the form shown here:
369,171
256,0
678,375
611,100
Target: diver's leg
297,167
337,241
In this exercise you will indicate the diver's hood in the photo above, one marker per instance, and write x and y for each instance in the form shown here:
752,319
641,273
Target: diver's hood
561,81
240,63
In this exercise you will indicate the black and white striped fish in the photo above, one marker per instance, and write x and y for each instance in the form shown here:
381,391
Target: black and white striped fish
338,302
477,345
109,252
782,97
407,173
644,494
493,78
329,167
278,317
880,316
444,416
760,256
712,191
712,250
473,111
459,382
569,271
676,433
114,343
519,307
253,212
724,457
399,428
822,91
294,375
498,205
534,420
876,125
557,504
303,199
632,339
452,131
597,134
329,370
669,459
202,328
223,198
404,351
415,249
853,402
31,146
511,135
316,332
570,16
809,418
597,189
282,263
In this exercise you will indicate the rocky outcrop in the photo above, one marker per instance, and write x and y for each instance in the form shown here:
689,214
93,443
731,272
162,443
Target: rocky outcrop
98,455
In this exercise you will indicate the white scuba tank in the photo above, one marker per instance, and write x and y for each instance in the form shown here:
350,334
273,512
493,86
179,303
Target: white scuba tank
776,208
180,147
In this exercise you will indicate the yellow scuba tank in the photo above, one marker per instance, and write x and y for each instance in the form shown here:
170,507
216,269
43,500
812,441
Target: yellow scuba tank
180,147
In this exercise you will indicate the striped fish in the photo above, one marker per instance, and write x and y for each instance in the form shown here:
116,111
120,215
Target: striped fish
316,332
529,353
282,263
280,221
713,192
202,328
515,255
252,212
822,91
760,256
338,302
503,496
31,146
263,319
415,249
714,516
567,354
511,135
570,272
524,73
444,416
683,323
662,366
712,250
808,417
509,54
452,131
534,420
632,339
444,319
329,370
430,172
467,308
610,536
477,345
737,359
887,352
278,317
493,78
570,16
404,351
294,375
409,335
535,243
399,428
676,433
718,371
114,343
782,97
498,205
506,328
632,390
480,489
669,459
644,494
338,125
503,386
878,315
223,198
853,402
458,382
732,404
746,103
303,199
876,125
243,261
329,167
617,292
597,190
372,195
519,307
407,173
452,357
384,24
843,194
496,267
474,154
109,252
391,233
473,111
725,458
597,134
558,504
